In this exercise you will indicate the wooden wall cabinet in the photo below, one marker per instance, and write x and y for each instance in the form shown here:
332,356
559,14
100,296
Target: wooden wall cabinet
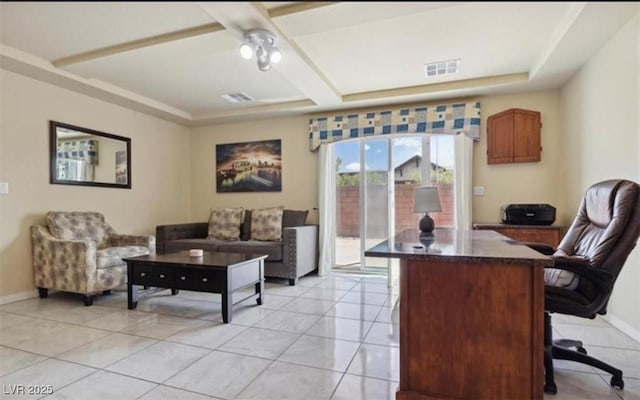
513,136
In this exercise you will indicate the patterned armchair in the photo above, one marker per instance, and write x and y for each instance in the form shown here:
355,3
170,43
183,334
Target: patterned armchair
79,252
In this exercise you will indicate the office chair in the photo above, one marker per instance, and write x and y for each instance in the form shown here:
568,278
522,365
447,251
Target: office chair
586,264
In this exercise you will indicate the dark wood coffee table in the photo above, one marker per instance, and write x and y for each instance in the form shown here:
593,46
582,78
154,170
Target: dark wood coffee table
222,273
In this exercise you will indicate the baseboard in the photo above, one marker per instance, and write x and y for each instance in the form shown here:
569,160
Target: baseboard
18,296
623,327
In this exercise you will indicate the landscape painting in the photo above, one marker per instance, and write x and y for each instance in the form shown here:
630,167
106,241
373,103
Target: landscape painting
249,167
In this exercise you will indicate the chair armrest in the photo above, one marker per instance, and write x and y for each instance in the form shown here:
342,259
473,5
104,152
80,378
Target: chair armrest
300,246
602,279
55,260
167,233
540,247
148,241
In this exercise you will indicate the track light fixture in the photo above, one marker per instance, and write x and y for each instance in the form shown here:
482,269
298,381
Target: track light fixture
261,43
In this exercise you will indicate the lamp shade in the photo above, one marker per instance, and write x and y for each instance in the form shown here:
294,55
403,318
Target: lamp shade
427,199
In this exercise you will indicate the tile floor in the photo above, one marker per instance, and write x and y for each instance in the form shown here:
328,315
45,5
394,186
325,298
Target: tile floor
334,337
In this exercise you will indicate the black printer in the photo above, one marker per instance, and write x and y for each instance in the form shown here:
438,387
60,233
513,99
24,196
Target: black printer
528,214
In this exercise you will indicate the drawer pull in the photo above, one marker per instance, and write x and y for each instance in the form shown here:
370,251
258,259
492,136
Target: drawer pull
161,276
183,278
143,274
204,279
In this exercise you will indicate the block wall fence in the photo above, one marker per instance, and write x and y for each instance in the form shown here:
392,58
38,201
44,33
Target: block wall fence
348,212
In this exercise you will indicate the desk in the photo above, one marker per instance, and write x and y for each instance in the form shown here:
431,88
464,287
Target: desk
471,316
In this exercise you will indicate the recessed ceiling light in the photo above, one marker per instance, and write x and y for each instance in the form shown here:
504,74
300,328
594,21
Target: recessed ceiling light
237,97
440,68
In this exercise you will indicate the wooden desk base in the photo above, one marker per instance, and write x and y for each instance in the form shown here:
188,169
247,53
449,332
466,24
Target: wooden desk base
470,330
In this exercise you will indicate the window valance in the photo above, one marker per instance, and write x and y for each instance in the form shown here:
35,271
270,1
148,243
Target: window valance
444,119
83,150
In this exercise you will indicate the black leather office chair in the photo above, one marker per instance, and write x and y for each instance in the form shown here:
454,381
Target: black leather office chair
587,263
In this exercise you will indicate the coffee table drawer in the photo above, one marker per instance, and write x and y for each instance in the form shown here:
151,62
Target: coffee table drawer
152,275
204,281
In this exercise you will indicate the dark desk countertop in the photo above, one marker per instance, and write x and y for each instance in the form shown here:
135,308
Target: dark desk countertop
458,245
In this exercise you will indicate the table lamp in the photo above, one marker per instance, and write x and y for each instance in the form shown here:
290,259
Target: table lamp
426,200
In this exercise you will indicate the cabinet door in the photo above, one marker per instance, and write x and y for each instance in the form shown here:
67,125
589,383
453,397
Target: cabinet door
526,136
500,138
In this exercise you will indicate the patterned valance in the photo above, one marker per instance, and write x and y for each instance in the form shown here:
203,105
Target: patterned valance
83,150
443,119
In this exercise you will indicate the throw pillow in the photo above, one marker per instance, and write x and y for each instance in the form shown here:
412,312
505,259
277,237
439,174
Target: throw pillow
246,226
294,218
224,223
266,224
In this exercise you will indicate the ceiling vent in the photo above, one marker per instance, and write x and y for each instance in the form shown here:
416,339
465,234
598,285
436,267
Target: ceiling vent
442,68
237,97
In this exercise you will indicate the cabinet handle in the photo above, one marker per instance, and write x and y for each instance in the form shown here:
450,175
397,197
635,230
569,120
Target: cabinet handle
183,278
142,274
204,279
161,276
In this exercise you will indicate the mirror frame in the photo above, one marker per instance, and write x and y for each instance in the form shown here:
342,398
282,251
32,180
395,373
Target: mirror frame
53,156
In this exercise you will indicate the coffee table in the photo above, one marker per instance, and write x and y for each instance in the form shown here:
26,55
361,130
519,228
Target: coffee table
223,273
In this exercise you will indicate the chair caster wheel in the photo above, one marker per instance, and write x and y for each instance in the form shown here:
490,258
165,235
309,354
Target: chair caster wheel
550,388
581,350
617,382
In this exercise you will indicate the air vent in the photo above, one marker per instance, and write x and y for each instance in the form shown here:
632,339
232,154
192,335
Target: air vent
442,68
237,97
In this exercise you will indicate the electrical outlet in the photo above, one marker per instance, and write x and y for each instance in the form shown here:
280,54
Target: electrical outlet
478,190
4,187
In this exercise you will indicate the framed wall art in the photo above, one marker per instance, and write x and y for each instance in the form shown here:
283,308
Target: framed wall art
249,166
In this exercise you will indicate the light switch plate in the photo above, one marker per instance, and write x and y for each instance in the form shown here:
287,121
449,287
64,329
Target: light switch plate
4,187
478,190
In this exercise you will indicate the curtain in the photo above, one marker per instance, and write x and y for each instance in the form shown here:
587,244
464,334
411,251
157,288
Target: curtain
443,118
83,150
326,202
463,152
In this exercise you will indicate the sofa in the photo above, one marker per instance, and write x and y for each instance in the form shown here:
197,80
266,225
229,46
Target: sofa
78,251
291,244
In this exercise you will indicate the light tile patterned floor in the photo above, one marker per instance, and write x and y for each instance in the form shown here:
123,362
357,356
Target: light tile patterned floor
334,337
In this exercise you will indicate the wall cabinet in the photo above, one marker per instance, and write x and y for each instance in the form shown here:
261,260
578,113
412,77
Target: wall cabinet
513,136
548,234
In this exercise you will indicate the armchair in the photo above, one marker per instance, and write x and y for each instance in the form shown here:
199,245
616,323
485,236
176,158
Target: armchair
80,252
586,265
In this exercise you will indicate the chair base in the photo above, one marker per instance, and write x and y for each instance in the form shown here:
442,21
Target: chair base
43,293
560,350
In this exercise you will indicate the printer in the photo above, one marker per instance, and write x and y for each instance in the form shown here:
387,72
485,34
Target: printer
528,214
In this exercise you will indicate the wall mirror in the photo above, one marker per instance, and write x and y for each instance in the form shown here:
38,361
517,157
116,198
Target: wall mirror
81,156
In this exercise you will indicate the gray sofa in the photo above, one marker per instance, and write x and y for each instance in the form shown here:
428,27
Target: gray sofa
294,256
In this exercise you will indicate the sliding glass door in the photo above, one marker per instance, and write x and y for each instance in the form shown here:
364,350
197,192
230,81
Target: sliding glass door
376,200
375,182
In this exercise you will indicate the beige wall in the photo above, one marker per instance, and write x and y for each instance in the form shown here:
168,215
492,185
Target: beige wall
534,182
299,166
160,168
601,139
508,183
